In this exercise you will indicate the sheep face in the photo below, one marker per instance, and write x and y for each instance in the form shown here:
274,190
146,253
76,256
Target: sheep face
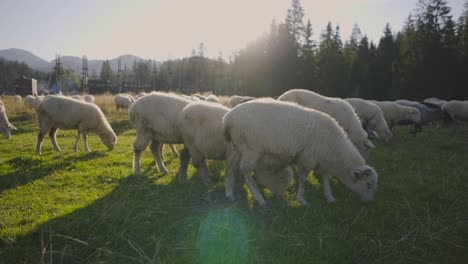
109,140
364,182
6,130
386,135
414,115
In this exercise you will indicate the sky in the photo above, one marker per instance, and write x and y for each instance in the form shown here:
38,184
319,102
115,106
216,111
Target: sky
168,29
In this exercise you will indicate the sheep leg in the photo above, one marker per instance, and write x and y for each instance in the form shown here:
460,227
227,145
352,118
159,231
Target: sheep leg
141,142
78,136
327,189
200,163
40,137
155,149
53,139
301,176
246,167
85,139
232,163
184,162
174,150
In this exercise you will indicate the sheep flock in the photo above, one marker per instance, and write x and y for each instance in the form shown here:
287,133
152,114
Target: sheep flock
262,140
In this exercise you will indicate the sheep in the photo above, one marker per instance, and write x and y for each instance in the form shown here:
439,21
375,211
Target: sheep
59,112
286,133
458,110
89,98
5,126
37,102
236,99
201,97
427,114
140,95
123,101
201,127
395,113
212,98
78,97
155,116
337,108
28,101
18,99
371,117
435,101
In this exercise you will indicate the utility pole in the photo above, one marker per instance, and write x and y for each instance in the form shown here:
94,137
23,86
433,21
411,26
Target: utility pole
84,75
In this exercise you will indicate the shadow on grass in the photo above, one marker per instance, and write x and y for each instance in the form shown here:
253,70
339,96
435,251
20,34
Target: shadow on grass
121,126
27,169
140,221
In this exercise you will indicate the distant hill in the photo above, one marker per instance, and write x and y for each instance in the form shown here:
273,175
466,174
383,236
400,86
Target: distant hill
68,62
27,57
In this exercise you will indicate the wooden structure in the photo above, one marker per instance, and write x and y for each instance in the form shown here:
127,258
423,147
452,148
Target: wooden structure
24,86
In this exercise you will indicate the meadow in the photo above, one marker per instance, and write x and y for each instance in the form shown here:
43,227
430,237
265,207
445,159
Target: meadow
83,207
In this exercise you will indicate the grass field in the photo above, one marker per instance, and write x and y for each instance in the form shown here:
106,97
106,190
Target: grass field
89,208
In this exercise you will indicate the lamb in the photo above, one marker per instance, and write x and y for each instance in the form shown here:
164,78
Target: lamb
236,100
5,126
201,127
337,108
286,133
59,112
427,114
371,117
89,98
212,98
155,117
458,110
123,101
395,113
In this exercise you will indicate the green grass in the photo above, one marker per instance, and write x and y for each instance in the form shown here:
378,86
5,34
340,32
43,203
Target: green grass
88,207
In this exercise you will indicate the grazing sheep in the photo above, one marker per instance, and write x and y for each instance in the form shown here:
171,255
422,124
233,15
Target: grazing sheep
123,101
18,99
155,117
458,110
371,117
212,98
140,95
435,101
28,101
236,100
59,112
427,114
395,113
89,98
201,127
78,97
37,102
286,133
5,126
337,108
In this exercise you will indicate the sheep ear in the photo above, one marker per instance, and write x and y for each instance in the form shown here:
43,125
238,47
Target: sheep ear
359,174
370,145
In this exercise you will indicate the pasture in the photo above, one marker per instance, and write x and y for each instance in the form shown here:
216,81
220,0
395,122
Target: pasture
89,207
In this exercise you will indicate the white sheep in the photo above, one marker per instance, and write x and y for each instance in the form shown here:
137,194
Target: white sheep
78,97
212,98
371,116
337,108
286,133
237,99
458,110
37,102
435,101
201,127
18,99
395,113
89,98
28,101
123,101
59,112
5,126
140,95
155,116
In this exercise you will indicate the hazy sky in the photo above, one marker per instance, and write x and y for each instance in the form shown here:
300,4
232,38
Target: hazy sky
161,29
